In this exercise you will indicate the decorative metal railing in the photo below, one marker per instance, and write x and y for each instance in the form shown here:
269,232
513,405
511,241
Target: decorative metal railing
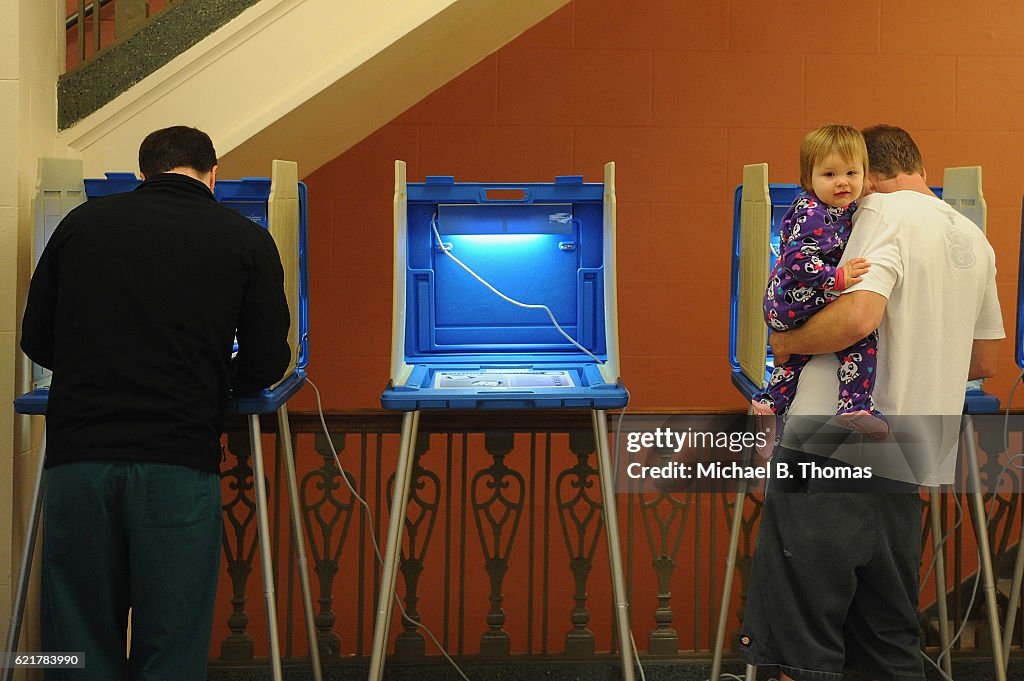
503,556
92,27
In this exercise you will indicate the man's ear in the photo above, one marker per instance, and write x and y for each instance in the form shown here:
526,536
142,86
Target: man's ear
213,177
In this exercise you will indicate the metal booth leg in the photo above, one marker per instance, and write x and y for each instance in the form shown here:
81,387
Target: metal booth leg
392,551
611,525
981,534
298,533
940,580
730,571
1011,611
263,527
31,533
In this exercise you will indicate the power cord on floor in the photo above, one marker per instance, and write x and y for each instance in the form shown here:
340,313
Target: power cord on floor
1011,461
373,536
948,649
1006,427
937,662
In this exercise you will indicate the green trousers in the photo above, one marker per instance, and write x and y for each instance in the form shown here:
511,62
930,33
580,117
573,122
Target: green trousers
120,535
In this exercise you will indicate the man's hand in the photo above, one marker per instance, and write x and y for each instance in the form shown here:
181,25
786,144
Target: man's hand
854,271
777,341
984,359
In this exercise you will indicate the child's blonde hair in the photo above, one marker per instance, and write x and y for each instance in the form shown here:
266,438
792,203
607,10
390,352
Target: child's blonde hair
843,140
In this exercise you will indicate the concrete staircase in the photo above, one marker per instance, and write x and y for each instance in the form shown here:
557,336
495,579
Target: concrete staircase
297,79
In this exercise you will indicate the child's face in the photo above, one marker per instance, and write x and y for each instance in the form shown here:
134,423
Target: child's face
836,181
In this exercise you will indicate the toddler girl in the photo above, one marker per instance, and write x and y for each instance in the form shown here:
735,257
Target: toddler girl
807,276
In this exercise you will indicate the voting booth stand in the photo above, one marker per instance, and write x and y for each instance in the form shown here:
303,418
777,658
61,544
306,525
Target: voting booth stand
541,333
278,204
758,211
1018,567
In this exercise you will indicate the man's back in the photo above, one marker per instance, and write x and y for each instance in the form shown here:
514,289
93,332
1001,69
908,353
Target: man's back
144,292
937,271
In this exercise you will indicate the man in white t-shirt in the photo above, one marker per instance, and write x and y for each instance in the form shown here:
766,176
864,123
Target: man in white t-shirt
834,580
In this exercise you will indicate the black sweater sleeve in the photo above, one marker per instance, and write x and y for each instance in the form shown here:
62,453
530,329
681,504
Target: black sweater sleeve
263,352
38,324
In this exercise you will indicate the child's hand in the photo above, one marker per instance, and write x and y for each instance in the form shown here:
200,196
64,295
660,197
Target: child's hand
854,271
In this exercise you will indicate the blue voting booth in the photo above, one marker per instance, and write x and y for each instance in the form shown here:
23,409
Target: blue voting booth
1018,353
457,344
252,197
758,209
755,247
279,204
504,297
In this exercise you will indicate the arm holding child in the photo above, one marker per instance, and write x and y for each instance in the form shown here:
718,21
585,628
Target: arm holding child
836,326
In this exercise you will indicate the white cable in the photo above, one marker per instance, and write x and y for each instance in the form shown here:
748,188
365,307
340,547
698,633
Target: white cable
977,577
636,656
942,543
618,437
615,467
529,306
963,625
373,536
1006,422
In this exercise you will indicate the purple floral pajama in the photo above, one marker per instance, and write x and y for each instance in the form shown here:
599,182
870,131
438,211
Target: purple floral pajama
813,236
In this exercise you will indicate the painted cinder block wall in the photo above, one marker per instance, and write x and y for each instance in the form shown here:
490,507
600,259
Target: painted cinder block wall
680,94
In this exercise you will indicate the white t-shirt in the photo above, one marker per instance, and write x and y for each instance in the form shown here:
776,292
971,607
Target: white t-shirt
937,271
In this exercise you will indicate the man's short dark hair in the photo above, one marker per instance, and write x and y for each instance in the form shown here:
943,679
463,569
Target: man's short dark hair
892,151
176,147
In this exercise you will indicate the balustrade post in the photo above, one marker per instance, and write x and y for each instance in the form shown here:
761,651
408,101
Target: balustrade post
420,516
239,546
497,494
327,518
664,517
578,498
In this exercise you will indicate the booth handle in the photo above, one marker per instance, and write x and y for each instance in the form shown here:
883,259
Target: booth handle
505,195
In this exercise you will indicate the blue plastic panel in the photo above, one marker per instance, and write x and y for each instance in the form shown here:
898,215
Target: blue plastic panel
546,248
248,197
781,196
538,243
1020,302
975,401
266,402
590,391
980,402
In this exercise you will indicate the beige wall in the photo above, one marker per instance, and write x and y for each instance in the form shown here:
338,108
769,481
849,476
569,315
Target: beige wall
29,54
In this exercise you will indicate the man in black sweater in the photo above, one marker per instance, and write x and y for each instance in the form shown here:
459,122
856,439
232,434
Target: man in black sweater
134,304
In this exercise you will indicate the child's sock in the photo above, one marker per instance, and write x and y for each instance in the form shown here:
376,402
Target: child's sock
873,425
764,418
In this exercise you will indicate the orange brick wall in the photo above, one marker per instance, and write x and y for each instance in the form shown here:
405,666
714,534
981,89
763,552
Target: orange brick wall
680,94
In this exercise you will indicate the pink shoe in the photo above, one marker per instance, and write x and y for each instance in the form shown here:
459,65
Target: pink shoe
872,425
764,418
